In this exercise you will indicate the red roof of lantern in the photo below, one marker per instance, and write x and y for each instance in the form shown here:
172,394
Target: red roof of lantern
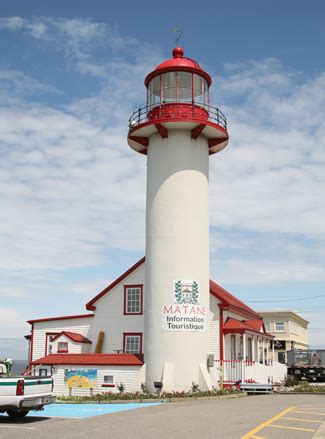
178,63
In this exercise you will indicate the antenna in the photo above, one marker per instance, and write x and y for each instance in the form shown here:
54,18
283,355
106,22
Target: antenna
179,32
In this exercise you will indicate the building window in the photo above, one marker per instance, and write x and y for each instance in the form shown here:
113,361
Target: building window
42,372
267,326
62,347
132,343
279,327
108,381
133,299
48,340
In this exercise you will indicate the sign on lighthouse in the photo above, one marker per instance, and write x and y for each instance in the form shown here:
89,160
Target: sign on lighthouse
185,314
178,130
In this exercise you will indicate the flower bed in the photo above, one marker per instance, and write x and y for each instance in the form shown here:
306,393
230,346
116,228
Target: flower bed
125,396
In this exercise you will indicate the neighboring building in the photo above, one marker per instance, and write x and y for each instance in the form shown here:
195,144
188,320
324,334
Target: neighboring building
289,329
66,346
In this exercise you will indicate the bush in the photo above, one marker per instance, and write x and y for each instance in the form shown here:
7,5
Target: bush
309,388
290,381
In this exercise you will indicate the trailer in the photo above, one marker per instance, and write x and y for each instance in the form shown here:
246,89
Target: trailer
307,365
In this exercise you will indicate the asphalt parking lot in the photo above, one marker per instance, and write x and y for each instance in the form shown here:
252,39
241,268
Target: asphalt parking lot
262,416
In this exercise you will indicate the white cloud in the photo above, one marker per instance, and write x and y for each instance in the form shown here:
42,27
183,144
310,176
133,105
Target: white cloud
72,191
12,322
14,83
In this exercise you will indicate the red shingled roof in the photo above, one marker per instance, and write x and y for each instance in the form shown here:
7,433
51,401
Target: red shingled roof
77,338
238,327
91,359
231,302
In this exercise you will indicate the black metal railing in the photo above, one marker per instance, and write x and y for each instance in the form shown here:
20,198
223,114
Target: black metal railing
174,110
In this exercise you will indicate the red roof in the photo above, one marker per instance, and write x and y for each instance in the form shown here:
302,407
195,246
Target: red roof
178,63
236,326
91,359
78,338
231,302
49,319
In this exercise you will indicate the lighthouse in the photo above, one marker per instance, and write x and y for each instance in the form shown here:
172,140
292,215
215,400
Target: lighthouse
178,130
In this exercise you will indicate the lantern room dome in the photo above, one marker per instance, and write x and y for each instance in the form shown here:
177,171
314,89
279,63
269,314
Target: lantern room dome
178,63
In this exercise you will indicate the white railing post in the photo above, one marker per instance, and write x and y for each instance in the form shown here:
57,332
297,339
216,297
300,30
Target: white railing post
258,350
263,351
244,359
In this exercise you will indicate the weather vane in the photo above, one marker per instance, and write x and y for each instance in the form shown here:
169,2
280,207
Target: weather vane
177,30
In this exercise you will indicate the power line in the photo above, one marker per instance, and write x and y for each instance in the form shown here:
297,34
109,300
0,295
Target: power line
285,300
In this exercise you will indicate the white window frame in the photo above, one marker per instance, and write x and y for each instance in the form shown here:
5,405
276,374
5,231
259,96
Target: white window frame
279,323
108,379
127,341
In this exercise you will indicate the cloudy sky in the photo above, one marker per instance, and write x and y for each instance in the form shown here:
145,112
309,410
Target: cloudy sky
72,215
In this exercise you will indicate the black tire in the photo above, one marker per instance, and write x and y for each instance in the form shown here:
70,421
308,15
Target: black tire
17,414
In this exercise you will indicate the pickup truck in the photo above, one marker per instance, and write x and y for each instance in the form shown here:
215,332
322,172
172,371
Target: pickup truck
21,394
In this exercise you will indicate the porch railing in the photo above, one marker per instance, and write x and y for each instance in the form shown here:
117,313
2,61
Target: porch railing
251,371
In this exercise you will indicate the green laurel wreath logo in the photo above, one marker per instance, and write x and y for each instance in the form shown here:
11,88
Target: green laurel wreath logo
186,300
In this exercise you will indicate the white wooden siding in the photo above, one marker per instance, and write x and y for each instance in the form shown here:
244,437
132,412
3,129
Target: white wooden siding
121,374
214,332
79,325
109,315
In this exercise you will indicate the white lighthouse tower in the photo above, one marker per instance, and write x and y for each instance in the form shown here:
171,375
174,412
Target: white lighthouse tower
177,130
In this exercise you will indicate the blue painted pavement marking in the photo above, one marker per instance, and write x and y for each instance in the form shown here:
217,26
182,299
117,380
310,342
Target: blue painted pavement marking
86,410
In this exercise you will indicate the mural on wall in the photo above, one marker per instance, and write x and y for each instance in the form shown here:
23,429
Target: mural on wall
84,378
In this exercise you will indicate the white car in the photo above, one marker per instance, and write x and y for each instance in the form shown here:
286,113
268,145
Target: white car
20,395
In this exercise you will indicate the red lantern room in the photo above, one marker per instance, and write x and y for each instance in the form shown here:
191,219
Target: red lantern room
178,97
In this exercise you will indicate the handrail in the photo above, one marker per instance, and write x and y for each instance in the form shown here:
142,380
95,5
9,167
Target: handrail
141,115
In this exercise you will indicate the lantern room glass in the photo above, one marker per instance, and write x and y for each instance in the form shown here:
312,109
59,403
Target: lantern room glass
183,87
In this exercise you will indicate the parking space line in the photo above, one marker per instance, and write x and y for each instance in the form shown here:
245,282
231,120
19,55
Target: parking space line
303,419
267,423
290,428
310,413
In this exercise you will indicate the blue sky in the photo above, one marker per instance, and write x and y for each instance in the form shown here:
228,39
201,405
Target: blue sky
72,192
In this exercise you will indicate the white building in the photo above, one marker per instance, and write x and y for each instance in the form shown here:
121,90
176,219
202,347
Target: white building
65,346
289,329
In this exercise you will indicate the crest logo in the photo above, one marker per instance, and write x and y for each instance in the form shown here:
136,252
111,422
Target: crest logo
186,292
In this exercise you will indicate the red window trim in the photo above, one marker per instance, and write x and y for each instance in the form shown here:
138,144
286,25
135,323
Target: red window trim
132,334
47,334
141,300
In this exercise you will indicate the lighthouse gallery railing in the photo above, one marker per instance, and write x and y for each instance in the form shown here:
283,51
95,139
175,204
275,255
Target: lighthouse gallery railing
178,110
